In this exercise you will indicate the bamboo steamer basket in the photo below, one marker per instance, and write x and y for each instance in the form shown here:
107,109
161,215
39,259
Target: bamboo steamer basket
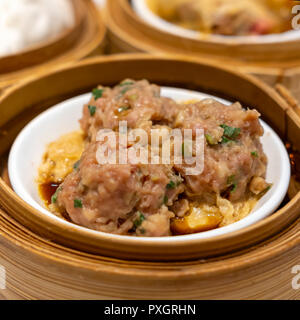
46,261
85,38
272,62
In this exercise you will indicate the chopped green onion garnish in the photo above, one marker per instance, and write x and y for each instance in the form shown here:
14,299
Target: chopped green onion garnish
231,179
171,185
76,164
125,90
126,83
97,93
77,203
225,140
210,140
266,190
232,183
254,154
139,220
166,199
54,197
230,133
92,110
234,186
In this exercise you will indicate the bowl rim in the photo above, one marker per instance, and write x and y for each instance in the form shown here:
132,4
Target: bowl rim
267,208
142,9
260,231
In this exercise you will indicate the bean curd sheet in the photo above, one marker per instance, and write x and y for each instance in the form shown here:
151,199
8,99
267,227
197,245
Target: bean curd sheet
155,200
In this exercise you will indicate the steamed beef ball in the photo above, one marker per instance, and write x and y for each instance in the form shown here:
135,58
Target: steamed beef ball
108,197
233,153
139,103
141,199
99,194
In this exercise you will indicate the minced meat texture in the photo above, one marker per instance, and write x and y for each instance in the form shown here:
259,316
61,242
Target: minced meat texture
141,199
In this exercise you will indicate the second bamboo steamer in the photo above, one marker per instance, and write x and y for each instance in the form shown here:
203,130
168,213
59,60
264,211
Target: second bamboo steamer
272,62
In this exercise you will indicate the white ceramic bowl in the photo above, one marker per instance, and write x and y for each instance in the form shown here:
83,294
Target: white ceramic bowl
29,147
142,9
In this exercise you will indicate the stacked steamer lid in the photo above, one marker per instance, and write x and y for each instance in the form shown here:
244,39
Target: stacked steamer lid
273,58
47,259
83,37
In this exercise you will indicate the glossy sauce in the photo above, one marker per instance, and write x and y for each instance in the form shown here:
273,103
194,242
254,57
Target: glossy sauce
47,190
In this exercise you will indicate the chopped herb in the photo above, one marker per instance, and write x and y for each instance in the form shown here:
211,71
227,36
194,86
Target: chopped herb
225,140
97,93
171,185
92,110
266,190
126,83
77,203
234,186
76,164
139,220
54,197
210,140
166,199
142,230
120,110
231,181
125,90
254,154
230,133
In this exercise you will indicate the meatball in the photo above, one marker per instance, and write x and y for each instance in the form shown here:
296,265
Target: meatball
142,199
135,102
108,197
233,153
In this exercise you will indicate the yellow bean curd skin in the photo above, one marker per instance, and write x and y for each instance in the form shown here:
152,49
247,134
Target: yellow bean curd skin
61,155
58,162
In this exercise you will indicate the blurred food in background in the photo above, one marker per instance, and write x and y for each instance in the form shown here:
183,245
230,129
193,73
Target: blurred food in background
227,17
26,23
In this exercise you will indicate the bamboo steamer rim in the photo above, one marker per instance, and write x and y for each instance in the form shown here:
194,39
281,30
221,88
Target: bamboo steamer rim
128,29
38,246
266,227
91,33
